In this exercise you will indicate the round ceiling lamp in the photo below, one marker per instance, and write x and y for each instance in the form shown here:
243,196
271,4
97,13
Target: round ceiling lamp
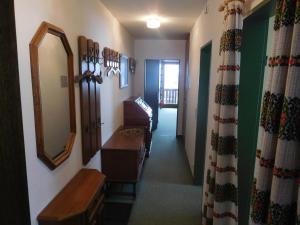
153,23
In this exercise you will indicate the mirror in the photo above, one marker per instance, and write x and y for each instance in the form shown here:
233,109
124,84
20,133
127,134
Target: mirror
53,92
124,72
53,70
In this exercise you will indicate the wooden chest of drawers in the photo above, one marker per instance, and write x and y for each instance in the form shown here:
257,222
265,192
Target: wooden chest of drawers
138,113
123,155
81,201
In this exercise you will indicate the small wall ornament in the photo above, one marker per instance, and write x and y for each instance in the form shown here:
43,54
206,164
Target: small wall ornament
132,65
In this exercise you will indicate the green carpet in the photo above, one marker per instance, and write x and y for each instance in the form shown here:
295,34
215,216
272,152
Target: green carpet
166,194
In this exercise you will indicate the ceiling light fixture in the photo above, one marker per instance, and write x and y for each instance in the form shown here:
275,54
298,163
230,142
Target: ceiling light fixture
153,23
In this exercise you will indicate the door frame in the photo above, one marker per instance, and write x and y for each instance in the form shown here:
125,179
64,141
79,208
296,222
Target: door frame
255,25
174,62
200,145
154,122
179,77
13,173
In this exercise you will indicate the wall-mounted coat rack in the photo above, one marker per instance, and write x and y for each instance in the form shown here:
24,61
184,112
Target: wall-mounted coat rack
132,65
111,60
89,80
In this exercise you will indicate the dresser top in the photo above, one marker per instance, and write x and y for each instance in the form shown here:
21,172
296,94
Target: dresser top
124,139
75,197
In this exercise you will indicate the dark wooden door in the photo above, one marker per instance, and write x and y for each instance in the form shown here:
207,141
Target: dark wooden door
205,63
14,208
152,88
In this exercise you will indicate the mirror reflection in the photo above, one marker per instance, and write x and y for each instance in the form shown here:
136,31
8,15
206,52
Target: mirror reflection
54,92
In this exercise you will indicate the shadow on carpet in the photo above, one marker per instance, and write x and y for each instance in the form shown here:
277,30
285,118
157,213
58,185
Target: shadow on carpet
116,213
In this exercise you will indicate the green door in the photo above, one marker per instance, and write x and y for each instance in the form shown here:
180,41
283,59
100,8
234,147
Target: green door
205,62
253,60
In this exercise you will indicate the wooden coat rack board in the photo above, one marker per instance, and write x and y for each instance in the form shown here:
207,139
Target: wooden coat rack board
111,60
89,80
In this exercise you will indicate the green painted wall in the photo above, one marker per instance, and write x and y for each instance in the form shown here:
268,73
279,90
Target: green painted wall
253,61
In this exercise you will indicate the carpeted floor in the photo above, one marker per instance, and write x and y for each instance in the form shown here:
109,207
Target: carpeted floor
166,194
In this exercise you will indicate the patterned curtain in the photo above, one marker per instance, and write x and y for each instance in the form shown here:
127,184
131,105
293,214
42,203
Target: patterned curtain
220,188
274,197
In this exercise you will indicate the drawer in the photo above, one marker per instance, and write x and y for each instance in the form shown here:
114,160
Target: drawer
96,204
98,217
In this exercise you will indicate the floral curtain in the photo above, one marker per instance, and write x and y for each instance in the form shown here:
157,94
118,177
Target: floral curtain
274,197
220,188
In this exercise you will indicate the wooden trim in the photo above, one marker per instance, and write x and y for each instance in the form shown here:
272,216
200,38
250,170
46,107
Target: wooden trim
34,60
89,85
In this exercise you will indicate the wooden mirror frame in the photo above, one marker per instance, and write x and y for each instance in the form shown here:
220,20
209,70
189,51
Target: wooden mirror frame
34,61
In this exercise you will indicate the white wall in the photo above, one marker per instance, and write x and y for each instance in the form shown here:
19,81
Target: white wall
75,17
160,49
208,27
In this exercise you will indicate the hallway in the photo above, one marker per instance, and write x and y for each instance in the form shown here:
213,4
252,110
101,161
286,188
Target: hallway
83,83
166,194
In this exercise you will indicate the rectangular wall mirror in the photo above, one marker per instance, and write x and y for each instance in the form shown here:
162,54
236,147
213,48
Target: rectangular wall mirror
124,68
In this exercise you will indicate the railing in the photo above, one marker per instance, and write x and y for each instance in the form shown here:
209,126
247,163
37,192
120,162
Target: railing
170,97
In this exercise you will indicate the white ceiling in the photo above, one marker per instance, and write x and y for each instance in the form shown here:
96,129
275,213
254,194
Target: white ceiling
178,16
